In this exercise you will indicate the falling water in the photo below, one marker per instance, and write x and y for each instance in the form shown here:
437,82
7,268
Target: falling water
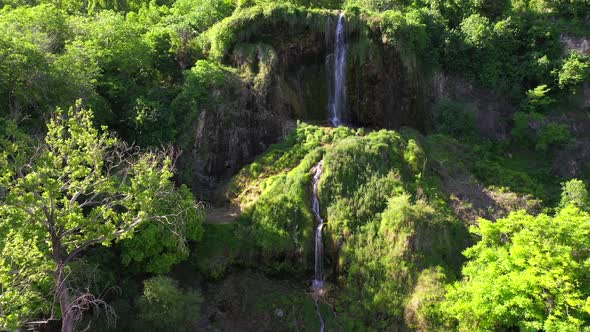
337,98
318,279
319,247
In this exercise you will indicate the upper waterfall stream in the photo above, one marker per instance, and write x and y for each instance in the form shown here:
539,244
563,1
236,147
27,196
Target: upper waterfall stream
337,96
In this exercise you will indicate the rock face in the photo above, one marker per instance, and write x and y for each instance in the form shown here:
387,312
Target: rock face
573,161
571,43
493,112
230,134
385,93
246,119
247,116
262,101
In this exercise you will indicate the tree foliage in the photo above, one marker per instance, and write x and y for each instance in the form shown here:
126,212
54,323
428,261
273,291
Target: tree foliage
528,272
81,188
575,70
574,192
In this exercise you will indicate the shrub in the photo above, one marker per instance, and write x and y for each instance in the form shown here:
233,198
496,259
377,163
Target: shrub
552,135
537,99
522,266
165,307
454,119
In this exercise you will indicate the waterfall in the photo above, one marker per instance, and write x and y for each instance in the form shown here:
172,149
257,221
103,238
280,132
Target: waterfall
337,95
318,280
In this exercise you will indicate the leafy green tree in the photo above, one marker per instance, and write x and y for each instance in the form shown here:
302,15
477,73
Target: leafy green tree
40,68
157,247
526,271
537,99
575,192
575,70
120,61
477,30
25,285
25,80
82,188
405,31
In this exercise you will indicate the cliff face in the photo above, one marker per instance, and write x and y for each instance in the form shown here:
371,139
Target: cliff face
228,135
493,112
282,76
279,74
385,93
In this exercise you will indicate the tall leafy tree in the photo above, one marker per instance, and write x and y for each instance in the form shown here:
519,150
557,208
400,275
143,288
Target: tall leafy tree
81,188
526,271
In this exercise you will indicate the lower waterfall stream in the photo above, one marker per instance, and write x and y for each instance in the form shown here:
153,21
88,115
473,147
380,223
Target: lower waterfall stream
318,280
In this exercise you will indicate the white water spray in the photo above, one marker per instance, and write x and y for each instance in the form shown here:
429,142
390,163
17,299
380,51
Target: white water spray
337,98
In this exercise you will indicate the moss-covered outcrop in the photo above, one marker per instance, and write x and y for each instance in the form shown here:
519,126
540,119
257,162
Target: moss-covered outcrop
388,221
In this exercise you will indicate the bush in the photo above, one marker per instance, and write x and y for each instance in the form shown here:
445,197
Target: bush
537,99
552,135
454,119
165,307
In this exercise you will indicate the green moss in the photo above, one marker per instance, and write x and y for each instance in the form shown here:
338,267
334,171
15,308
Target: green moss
386,257
220,40
280,224
387,219
282,157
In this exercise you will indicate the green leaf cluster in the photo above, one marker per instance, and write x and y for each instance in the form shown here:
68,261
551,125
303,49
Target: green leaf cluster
528,272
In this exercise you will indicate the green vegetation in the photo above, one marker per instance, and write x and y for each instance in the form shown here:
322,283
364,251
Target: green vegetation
163,306
218,250
81,188
110,109
380,199
527,272
575,70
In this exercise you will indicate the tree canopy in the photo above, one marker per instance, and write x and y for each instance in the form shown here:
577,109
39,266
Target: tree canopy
82,187
526,271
